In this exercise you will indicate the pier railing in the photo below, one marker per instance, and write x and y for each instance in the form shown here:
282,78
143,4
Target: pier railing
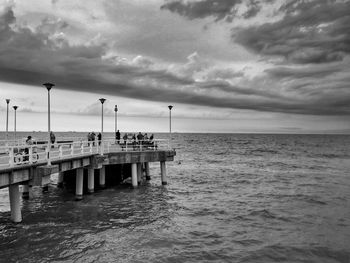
18,153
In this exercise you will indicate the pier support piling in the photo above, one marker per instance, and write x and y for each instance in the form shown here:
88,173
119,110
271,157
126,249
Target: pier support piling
134,174
25,191
14,194
139,173
103,177
79,184
60,180
163,173
45,188
148,176
91,183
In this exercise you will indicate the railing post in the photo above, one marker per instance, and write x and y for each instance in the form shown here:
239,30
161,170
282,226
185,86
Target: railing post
141,145
11,161
126,146
72,149
30,155
82,147
60,151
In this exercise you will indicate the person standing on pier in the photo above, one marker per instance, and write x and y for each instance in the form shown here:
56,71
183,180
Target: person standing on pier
52,138
93,137
99,138
139,137
117,136
89,138
29,142
125,138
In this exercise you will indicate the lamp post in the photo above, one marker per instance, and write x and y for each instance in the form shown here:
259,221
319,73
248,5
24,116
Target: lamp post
115,113
102,100
7,119
170,107
48,87
15,108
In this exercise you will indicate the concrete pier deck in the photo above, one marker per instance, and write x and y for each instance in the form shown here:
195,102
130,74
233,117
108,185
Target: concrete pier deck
71,159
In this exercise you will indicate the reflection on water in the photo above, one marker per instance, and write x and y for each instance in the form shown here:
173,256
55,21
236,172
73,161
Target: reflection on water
230,198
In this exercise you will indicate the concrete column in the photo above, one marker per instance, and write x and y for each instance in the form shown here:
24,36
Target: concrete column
45,181
134,174
122,171
91,178
60,180
148,176
16,215
103,177
163,173
139,173
25,191
79,184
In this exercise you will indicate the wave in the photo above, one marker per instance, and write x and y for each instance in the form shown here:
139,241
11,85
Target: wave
287,253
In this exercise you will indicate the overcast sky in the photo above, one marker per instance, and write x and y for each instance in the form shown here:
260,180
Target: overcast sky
225,65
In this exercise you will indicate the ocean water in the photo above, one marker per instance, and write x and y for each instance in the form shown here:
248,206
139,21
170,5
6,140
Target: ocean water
229,198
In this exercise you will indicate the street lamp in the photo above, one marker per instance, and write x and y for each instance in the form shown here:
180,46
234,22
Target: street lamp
48,87
7,119
102,100
170,107
15,108
115,113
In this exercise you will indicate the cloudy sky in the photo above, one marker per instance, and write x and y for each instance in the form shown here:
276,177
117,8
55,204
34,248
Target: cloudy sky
225,65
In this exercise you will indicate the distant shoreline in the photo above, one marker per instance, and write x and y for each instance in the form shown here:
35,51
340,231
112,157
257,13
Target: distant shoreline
237,133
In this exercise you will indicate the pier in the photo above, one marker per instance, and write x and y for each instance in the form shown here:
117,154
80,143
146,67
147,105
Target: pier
78,160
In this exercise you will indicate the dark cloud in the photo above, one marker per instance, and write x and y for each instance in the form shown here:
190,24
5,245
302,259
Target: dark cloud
302,73
226,73
219,9
253,9
310,32
226,87
200,9
7,18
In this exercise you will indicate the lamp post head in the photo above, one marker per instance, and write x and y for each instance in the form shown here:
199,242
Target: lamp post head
170,107
15,107
115,108
7,101
102,100
48,85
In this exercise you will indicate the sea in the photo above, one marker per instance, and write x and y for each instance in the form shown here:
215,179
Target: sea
230,198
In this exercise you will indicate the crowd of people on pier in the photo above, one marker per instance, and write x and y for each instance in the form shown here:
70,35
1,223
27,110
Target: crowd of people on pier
128,138
140,138
92,137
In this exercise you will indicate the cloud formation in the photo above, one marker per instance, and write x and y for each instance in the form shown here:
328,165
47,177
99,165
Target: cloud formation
43,52
310,32
307,45
221,10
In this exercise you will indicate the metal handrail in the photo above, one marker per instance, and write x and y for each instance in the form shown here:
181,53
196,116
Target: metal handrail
28,154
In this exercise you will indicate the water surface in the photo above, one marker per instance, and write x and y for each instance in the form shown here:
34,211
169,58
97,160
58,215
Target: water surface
230,198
